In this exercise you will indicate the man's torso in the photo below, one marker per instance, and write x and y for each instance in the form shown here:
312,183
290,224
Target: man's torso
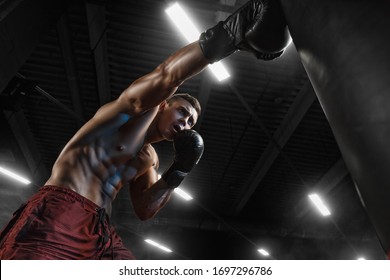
99,168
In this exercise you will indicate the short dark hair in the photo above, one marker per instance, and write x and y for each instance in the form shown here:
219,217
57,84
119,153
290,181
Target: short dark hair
192,100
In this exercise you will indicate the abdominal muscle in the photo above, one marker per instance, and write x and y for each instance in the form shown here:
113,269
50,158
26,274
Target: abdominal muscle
94,172
97,169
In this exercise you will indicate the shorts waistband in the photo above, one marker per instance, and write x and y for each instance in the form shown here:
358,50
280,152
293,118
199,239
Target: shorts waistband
90,205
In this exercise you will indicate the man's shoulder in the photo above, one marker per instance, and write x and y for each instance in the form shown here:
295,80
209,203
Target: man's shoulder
148,148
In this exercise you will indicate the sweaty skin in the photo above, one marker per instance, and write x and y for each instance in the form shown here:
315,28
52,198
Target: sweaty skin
114,147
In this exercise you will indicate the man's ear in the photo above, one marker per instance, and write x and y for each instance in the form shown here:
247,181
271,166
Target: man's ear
162,106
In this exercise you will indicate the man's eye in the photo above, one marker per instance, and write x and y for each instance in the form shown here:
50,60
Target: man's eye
183,111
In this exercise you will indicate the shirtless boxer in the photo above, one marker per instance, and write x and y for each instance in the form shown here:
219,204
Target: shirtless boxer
69,217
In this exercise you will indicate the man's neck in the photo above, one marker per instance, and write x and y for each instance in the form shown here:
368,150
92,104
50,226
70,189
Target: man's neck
153,135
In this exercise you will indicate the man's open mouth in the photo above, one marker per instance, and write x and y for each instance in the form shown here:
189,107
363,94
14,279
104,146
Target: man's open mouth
176,128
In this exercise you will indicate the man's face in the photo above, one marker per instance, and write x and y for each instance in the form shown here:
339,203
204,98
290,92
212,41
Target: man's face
176,116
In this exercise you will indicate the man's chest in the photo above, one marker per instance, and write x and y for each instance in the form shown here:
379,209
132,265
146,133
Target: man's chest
137,165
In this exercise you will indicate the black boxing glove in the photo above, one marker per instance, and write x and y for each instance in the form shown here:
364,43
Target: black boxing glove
249,28
269,37
188,147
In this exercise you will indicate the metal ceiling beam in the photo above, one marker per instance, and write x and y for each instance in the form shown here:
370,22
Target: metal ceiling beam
323,186
72,75
55,101
21,130
334,176
22,25
203,96
327,183
96,16
300,106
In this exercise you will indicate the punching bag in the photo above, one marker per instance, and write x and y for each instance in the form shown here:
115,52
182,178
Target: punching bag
345,49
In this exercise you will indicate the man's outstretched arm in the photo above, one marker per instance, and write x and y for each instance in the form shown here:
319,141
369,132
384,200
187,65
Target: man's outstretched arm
145,93
152,89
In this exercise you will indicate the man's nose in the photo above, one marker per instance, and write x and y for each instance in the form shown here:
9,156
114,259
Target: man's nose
184,123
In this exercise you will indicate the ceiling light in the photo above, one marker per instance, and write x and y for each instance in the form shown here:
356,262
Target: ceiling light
319,204
179,191
183,22
191,34
361,259
14,176
154,243
219,71
183,194
263,252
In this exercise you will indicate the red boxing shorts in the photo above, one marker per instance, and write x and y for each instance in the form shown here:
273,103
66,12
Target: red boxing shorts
58,223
